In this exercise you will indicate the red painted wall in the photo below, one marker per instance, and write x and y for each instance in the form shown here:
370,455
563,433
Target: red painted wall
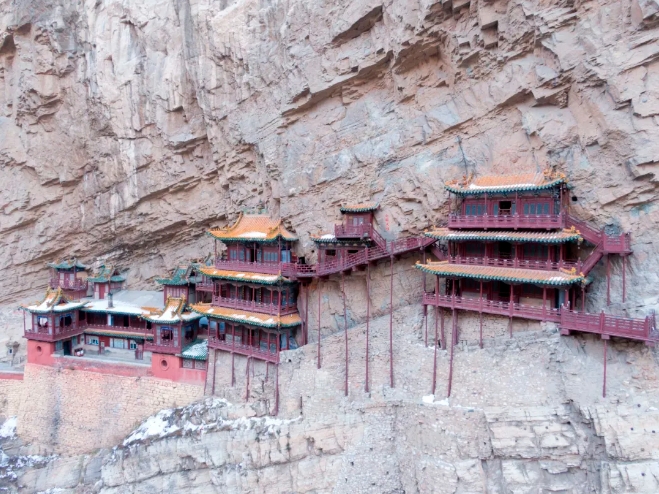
40,352
169,367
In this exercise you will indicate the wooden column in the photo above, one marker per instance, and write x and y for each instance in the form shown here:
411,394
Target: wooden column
434,360
624,280
425,307
544,302
319,302
247,380
437,295
233,355
368,314
214,368
276,389
604,377
306,315
608,279
345,326
454,332
391,324
481,316
583,298
511,308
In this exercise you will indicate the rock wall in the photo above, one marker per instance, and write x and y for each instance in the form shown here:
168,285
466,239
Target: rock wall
130,126
74,411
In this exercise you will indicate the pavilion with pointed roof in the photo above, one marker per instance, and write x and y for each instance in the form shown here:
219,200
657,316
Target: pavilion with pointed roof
108,279
184,281
69,275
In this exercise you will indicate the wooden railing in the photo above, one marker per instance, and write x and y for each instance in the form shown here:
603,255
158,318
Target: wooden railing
516,263
204,286
251,305
76,284
252,267
635,329
493,307
138,331
170,348
51,334
242,349
353,231
513,221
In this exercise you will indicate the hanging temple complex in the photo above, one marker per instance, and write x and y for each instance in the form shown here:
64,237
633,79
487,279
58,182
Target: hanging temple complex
510,247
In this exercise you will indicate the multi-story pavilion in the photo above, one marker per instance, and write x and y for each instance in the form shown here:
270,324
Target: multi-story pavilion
69,275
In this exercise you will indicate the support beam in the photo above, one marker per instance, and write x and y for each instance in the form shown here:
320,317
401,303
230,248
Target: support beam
583,298
511,307
214,369
247,380
345,325
624,279
276,389
608,279
481,317
454,331
604,380
391,323
233,371
425,318
425,307
434,360
368,315
306,315
319,301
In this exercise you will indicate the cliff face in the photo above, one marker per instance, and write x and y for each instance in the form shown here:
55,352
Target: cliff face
129,127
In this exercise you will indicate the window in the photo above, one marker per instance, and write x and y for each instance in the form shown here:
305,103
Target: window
92,340
474,249
535,251
187,363
118,343
58,345
200,364
505,208
233,254
148,325
223,328
357,220
133,345
166,334
42,321
474,209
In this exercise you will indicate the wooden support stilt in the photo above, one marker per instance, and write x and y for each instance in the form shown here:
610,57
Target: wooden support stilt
434,359
319,301
306,315
583,298
480,302
441,322
233,369
214,369
391,324
267,369
425,318
511,307
345,325
624,280
437,296
276,389
247,380
368,317
454,331
604,380
608,279
425,307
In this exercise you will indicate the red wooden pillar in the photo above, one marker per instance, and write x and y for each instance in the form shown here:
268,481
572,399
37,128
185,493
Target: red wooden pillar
544,302
425,307
608,279
306,313
425,317
368,313
319,301
276,389
345,326
583,298
454,332
443,340
391,324
434,360
481,316
624,281
214,368
247,380
604,377
233,355
510,308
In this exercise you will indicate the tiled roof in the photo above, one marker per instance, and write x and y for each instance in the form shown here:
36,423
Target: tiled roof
505,183
197,350
54,301
181,275
67,264
565,235
330,238
253,228
131,335
512,275
172,313
245,317
260,278
106,274
363,207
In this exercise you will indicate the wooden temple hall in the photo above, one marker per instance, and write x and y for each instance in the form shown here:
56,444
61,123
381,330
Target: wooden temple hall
512,248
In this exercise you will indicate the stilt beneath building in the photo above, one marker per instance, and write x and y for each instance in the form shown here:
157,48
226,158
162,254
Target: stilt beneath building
454,337
233,369
345,325
319,301
247,380
481,317
434,359
441,323
276,389
608,279
391,324
368,315
306,313
214,369
267,368
605,338
511,308
624,279
425,307
425,319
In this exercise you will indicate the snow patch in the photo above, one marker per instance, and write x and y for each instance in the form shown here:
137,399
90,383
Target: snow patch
8,428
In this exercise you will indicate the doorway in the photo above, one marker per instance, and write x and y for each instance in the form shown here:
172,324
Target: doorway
66,347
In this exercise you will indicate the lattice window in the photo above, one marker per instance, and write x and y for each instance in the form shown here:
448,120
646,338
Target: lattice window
200,364
188,363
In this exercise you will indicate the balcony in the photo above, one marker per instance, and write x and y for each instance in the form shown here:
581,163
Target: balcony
251,267
137,331
162,347
493,307
512,221
353,231
50,334
204,287
241,349
251,305
516,263
77,285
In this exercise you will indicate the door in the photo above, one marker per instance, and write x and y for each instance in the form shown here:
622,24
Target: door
66,347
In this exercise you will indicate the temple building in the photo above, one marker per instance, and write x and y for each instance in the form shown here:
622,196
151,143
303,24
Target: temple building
107,280
512,248
253,311
69,275
183,283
